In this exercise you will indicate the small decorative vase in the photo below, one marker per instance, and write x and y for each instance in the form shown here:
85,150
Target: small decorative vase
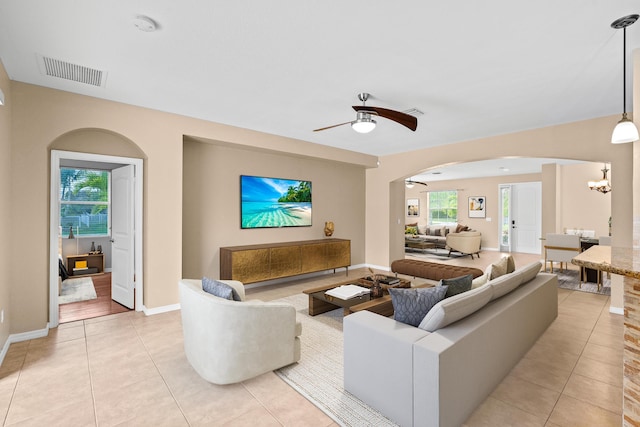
328,228
376,289
93,246
99,249
71,236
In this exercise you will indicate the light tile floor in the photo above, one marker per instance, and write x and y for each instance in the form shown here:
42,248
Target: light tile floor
128,369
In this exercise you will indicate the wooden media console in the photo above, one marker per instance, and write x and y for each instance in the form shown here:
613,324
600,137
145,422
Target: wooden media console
256,263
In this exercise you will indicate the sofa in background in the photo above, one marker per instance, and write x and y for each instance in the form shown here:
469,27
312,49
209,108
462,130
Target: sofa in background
231,341
465,242
438,375
434,234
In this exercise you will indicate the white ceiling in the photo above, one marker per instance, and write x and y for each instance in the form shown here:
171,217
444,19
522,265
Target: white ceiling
287,67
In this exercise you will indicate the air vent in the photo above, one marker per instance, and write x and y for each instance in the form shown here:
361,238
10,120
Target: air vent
74,72
413,112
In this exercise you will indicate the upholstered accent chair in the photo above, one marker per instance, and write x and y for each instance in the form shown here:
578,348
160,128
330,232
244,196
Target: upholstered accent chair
465,242
561,248
231,341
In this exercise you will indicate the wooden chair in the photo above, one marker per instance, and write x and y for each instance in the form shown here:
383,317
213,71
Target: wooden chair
560,248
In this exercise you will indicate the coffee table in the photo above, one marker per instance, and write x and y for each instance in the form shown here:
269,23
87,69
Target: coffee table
320,303
417,243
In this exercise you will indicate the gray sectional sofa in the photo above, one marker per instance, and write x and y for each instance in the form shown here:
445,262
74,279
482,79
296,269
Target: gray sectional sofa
438,375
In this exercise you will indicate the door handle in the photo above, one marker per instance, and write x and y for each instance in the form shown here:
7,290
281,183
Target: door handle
112,241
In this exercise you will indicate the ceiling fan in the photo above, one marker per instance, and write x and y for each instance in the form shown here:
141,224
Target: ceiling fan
364,123
410,183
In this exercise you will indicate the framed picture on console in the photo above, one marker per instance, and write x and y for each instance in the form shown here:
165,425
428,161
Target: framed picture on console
413,207
477,206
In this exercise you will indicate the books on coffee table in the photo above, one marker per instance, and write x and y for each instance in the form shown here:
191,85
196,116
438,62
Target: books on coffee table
347,291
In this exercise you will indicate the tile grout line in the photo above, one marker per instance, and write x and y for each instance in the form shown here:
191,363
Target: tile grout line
93,394
13,392
164,380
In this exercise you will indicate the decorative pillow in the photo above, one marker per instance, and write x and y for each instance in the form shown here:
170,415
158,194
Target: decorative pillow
434,231
479,281
459,228
414,224
411,305
219,289
511,264
457,285
455,308
411,230
498,268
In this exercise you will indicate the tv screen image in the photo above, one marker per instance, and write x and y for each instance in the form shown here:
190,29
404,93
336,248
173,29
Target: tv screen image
274,202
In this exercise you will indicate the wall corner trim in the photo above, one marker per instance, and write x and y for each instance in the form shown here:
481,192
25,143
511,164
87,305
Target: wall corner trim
23,336
159,310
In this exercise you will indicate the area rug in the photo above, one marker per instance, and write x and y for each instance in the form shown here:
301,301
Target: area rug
74,290
319,374
570,279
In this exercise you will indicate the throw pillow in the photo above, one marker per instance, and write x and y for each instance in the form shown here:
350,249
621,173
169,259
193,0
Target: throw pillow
411,230
411,305
455,308
511,264
479,281
498,268
219,289
457,285
459,228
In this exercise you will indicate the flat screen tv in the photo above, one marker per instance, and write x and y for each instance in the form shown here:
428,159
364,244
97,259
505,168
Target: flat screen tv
274,202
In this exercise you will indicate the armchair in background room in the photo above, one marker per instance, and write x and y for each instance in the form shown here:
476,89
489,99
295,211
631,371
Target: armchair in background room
561,248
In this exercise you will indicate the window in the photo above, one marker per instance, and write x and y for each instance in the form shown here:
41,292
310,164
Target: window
443,207
84,201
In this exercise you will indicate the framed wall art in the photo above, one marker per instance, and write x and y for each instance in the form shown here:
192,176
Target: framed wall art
477,206
413,207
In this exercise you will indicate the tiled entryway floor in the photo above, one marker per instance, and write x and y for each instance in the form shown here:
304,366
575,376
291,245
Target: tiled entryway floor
128,369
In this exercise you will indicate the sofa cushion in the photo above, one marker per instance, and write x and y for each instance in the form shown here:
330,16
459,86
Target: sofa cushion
511,264
505,284
219,289
455,308
411,305
498,268
457,285
529,271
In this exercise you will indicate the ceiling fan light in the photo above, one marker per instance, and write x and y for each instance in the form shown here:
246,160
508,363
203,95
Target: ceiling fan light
363,125
409,184
625,131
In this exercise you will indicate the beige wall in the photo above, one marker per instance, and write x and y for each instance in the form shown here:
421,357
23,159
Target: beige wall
211,202
6,273
40,116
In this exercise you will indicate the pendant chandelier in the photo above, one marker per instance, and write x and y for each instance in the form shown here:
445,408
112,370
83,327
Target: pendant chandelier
625,130
602,185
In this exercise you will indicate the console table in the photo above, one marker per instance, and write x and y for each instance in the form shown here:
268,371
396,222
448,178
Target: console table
95,264
256,263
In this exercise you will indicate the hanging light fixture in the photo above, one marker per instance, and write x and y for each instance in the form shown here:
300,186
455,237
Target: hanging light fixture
602,185
625,130
409,183
363,123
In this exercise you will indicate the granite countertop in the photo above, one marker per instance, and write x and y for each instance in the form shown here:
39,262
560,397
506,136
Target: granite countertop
623,261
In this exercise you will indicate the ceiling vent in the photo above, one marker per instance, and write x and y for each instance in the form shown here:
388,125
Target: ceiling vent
74,72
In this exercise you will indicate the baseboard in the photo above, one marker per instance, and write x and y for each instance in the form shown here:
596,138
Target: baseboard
23,336
616,310
159,310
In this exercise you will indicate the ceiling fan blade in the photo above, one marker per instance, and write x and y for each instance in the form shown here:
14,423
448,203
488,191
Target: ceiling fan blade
333,126
397,116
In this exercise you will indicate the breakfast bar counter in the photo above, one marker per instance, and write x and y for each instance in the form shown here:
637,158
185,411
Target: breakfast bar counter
625,262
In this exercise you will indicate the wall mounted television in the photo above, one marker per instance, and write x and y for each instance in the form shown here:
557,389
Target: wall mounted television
274,202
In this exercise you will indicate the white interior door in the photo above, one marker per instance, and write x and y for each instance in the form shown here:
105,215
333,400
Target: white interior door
122,236
526,217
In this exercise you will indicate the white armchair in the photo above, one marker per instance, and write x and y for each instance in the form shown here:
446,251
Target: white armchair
561,248
466,242
230,341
